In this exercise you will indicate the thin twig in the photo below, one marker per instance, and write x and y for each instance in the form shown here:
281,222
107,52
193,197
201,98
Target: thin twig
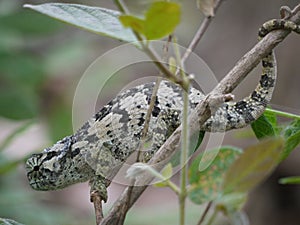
199,34
202,111
204,213
97,201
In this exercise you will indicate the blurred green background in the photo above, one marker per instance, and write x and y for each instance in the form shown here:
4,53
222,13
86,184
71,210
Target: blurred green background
41,62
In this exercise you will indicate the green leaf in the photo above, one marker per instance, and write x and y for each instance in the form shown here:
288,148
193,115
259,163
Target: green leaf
206,185
8,222
264,126
167,172
290,180
254,165
161,19
152,26
94,19
133,22
291,135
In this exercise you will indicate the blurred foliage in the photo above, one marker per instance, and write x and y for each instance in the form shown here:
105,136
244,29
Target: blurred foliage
27,47
22,70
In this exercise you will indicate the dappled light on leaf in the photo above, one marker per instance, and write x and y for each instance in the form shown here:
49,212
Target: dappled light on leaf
206,185
253,166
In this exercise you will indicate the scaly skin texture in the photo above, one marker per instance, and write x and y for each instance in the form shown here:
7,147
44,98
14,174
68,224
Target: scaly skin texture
98,149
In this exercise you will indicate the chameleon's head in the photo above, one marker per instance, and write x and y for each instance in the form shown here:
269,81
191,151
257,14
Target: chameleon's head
56,167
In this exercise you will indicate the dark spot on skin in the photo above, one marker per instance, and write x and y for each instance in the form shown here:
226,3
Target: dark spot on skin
267,64
255,96
138,106
155,111
108,132
266,81
137,135
141,122
262,32
168,105
125,116
51,155
75,152
103,112
241,106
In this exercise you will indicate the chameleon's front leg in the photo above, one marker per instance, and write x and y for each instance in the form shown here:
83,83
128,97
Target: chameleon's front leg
99,184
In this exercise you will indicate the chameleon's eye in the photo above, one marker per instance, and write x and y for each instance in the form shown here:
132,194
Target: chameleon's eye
36,168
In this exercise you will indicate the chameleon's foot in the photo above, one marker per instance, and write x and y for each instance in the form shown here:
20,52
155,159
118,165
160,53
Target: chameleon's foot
99,185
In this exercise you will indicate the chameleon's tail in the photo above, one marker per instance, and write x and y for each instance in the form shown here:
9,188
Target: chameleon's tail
241,113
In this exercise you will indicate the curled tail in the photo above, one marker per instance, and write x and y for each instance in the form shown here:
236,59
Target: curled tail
239,114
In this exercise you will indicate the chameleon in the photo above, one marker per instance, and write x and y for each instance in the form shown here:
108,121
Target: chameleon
98,149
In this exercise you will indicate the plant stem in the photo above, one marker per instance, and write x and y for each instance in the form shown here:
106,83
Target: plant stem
283,114
184,157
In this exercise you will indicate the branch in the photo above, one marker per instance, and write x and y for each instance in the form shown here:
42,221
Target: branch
202,112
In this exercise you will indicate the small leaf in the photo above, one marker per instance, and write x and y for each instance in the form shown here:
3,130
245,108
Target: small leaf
206,185
206,7
231,203
291,135
161,19
133,22
167,172
98,20
290,180
271,117
254,165
263,127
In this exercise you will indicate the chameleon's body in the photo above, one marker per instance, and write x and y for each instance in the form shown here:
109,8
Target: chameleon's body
96,150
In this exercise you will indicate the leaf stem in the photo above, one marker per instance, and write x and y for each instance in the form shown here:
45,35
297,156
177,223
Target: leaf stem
283,114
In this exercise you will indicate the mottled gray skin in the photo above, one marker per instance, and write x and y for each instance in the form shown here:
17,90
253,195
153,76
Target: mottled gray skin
97,150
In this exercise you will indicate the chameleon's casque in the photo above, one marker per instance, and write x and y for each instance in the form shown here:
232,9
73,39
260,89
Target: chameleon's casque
97,150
